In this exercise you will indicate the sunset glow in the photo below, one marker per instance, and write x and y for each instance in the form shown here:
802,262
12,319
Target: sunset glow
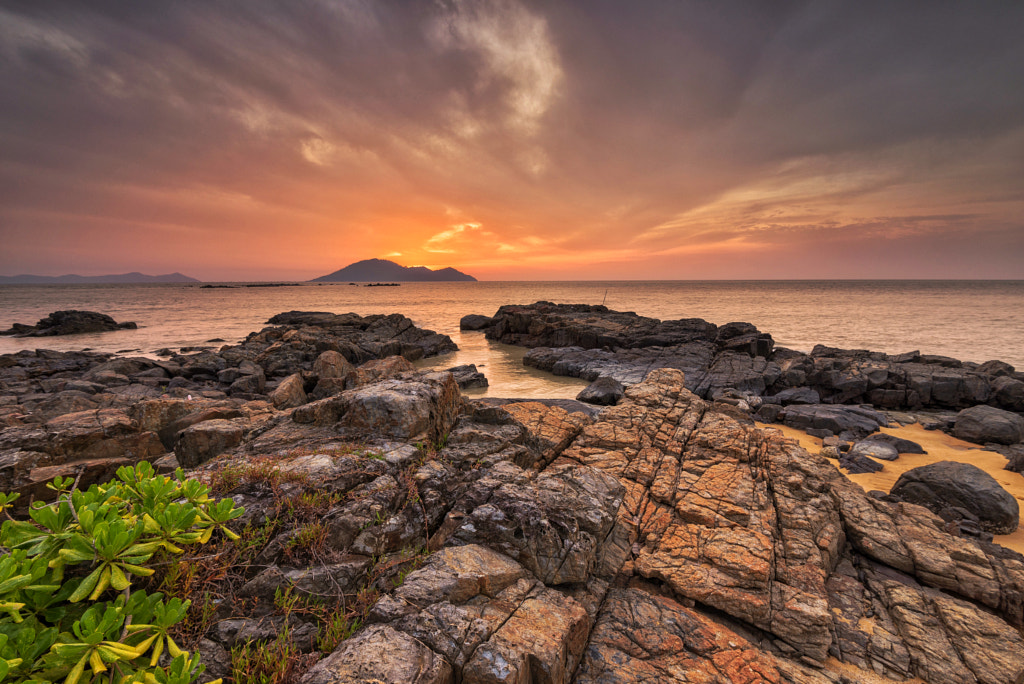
513,139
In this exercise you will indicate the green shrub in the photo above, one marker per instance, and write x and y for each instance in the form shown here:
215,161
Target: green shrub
68,611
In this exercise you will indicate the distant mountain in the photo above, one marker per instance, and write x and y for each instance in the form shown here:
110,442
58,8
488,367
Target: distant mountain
375,270
133,277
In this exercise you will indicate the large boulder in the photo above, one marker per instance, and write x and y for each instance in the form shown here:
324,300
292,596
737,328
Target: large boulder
289,393
957,491
984,424
424,407
332,364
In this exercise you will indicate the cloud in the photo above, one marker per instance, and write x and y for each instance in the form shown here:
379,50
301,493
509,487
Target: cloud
581,133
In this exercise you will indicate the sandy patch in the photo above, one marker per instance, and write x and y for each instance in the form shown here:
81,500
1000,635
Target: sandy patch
940,447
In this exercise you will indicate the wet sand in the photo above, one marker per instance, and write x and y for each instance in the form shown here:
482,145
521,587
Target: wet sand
940,447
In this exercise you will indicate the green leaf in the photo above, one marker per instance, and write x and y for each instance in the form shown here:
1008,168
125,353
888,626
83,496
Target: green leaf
87,585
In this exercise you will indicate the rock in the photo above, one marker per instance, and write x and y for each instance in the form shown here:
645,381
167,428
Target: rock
556,526
380,654
697,506
603,392
248,384
289,393
768,413
983,424
946,486
625,647
475,322
458,574
1015,459
902,446
874,449
332,364
71,322
424,407
468,376
855,463
202,441
542,641
797,395
859,420
1009,393
378,369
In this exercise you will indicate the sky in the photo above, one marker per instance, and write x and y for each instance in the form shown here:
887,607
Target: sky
513,139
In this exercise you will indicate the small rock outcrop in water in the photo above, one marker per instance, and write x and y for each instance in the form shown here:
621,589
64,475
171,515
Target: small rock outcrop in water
69,322
588,342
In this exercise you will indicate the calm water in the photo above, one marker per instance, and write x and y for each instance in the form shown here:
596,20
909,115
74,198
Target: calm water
968,320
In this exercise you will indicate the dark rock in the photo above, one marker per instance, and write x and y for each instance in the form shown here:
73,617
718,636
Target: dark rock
475,322
859,420
1009,393
1015,459
902,446
875,449
996,368
797,395
948,485
468,377
70,322
603,392
857,463
983,424
202,441
768,413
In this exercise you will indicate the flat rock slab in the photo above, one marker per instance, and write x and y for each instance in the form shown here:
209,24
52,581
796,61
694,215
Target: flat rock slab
380,654
858,420
874,449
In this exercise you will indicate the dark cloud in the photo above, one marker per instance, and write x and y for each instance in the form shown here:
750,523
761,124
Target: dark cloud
560,127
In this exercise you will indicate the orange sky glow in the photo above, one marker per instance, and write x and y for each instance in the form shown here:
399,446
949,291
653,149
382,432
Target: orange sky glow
513,140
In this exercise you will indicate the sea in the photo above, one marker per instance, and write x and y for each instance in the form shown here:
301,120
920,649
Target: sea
968,320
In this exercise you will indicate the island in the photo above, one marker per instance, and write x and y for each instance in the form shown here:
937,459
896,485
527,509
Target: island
72,279
382,270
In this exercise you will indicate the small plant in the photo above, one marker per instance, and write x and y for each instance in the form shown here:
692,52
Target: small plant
334,630
308,539
260,470
268,663
68,610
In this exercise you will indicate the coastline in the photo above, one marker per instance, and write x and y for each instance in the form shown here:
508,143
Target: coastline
553,528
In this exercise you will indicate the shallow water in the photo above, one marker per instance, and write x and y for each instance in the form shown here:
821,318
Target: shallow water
968,320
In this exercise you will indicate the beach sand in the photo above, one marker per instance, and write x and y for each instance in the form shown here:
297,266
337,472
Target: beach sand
940,447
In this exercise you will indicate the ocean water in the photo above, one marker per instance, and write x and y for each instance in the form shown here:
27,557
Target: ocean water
968,320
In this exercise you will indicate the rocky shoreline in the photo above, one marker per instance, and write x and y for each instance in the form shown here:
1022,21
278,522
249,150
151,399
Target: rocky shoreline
664,537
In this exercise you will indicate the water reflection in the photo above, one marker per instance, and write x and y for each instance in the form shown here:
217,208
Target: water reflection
503,366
